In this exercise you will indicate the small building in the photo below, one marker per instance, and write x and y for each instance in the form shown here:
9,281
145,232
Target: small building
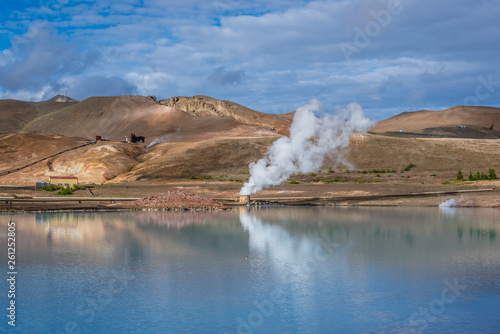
137,139
63,181
41,184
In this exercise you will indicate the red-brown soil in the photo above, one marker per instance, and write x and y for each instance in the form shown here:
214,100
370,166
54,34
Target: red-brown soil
172,200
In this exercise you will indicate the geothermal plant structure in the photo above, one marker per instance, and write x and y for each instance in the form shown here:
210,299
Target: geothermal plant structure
244,199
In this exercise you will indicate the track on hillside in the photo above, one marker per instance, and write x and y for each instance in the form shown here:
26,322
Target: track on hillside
45,158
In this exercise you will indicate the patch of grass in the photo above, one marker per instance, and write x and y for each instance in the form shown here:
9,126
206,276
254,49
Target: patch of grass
330,171
130,168
50,187
204,177
380,171
410,166
293,182
65,191
335,179
433,175
312,174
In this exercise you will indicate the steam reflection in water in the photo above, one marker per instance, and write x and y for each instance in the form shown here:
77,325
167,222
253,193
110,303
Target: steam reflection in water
332,269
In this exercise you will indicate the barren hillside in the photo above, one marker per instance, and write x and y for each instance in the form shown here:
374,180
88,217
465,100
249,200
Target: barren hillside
200,137
206,106
460,121
117,116
14,114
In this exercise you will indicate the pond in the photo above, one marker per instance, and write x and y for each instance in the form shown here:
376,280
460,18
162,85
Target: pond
262,270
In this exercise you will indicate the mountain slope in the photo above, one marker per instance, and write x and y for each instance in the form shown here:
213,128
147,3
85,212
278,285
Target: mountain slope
479,119
115,117
14,114
206,106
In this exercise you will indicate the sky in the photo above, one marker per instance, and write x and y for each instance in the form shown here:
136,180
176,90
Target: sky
273,56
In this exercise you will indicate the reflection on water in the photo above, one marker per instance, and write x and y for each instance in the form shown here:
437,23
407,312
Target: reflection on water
308,270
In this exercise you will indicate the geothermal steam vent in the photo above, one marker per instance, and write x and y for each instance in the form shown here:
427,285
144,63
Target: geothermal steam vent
311,139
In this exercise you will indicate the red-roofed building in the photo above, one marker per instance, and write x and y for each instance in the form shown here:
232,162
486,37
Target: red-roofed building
63,181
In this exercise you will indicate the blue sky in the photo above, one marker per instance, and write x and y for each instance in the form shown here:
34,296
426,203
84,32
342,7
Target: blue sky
389,56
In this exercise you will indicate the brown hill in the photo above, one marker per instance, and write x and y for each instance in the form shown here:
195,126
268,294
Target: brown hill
209,107
117,116
460,121
14,114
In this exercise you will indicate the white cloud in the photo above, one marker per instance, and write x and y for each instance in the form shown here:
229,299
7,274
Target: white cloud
271,55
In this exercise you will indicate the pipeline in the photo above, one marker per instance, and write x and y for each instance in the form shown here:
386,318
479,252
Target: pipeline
45,158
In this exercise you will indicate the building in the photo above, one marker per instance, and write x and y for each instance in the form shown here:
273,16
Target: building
41,184
63,181
137,139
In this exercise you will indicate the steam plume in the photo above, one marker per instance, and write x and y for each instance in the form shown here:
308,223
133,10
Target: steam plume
311,139
164,139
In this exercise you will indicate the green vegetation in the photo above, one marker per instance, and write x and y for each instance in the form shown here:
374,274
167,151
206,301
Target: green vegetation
381,171
433,175
50,187
460,176
312,174
410,166
204,177
491,174
479,175
293,182
335,179
330,171
65,191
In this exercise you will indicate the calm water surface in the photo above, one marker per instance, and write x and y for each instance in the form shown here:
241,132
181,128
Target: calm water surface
273,270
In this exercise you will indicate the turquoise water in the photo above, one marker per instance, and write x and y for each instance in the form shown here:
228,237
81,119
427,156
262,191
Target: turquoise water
273,270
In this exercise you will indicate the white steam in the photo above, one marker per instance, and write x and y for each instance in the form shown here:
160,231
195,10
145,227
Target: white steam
448,204
163,139
311,139
454,203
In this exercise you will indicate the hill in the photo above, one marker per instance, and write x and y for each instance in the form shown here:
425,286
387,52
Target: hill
117,116
14,114
203,137
460,121
209,107
223,137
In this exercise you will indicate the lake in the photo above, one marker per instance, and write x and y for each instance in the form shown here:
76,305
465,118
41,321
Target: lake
261,270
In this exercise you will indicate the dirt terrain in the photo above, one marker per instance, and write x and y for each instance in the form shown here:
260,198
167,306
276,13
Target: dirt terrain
174,200
460,121
204,145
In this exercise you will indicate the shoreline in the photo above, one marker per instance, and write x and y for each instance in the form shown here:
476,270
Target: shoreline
86,204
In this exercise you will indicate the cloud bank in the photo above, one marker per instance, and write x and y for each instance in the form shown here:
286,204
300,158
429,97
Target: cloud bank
268,55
